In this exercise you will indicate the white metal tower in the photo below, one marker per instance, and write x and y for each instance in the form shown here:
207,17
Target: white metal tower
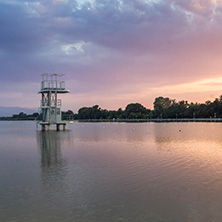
50,106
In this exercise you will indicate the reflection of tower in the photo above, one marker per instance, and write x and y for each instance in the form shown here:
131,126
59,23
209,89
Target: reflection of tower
50,146
51,106
52,164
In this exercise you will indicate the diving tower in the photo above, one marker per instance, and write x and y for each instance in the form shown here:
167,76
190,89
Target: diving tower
50,105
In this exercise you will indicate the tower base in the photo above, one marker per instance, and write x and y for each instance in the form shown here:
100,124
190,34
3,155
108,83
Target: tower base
46,125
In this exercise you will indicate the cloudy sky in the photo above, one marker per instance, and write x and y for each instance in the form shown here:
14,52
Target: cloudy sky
113,52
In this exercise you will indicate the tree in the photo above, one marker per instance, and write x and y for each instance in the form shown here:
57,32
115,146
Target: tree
136,110
84,113
161,105
68,115
93,112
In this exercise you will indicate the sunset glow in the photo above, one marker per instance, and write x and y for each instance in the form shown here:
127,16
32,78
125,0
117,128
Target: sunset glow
112,52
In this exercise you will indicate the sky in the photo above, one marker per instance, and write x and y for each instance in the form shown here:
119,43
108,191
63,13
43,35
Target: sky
112,52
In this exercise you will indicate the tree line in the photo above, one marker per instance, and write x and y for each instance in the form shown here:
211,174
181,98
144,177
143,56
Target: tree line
163,107
132,111
21,116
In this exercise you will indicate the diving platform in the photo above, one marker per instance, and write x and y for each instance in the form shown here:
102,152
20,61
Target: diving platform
50,105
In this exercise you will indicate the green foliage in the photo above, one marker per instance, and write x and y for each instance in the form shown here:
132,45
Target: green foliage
161,105
167,108
94,112
136,111
132,111
68,115
163,108
22,116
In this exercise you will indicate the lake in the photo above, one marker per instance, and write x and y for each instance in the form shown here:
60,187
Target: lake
111,172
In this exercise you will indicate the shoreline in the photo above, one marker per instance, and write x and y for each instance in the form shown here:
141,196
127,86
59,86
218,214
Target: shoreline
130,120
153,120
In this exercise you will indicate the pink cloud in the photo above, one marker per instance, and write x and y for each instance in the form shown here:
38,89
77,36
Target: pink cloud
125,48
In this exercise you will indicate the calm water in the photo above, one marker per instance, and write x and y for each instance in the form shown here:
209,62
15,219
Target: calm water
108,172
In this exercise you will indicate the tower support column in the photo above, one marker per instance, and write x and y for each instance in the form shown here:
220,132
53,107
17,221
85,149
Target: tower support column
43,127
64,127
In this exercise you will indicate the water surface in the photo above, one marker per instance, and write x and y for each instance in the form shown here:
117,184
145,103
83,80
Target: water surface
111,172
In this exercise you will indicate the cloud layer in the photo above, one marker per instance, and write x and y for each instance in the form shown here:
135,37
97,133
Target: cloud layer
119,49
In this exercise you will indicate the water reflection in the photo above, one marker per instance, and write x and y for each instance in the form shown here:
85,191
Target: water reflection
188,132
54,167
100,132
111,172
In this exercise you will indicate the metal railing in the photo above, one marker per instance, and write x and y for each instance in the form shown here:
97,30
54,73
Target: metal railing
52,84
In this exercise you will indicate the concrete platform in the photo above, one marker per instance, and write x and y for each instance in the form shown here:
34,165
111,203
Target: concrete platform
44,124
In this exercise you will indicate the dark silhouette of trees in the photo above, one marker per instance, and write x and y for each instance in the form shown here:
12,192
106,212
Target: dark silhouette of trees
136,111
132,111
168,108
22,116
164,107
68,115
161,106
